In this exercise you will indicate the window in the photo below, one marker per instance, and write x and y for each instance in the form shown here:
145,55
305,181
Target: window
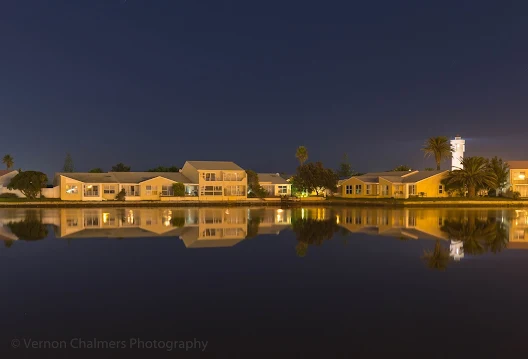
358,189
385,190
211,232
235,190
210,190
72,188
441,189
151,190
109,189
131,190
230,176
91,190
412,189
369,189
358,219
91,220
167,190
348,189
209,176
411,221
72,222
283,189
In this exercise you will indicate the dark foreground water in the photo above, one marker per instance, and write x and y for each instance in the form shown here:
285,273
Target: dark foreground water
168,282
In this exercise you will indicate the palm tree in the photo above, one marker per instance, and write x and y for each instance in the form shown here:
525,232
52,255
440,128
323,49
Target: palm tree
439,147
438,258
501,171
476,235
474,174
301,154
8,161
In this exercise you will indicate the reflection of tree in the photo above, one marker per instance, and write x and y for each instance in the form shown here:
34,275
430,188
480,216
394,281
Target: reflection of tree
178,222
31,228
438,258
478,236
310,231
253,227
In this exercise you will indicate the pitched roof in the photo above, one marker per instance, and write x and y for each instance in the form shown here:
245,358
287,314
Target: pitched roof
122,177
4,172
273,178
398,177
138,177
421,175
517,165
215,165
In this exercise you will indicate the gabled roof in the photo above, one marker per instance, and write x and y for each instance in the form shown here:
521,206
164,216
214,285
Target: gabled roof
517,165
122,177
273,178
421,175
397,177
138,177
215,165
4,172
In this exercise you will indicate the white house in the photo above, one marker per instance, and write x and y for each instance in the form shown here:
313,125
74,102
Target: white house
274,184
5,178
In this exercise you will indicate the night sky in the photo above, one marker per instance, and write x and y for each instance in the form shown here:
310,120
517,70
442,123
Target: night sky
158,82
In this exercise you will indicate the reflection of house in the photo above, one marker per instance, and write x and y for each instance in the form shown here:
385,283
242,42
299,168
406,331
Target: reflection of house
517,178
274,184
402,184
5,178
217,180
197,227
138,186
400,223
518,228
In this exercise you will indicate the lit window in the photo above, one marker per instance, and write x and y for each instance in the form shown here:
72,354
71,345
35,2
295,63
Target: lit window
348,189
109,189
283,189
358,189
522,175
151,190
91,190
72,188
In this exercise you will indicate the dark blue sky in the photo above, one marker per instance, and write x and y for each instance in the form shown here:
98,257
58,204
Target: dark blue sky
157,82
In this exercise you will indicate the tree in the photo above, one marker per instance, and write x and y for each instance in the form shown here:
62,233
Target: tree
475,174
164,169
438,258
401,168
477,236
501,171
178,189
96,170
120,167
29,183
121,195
301,154
8,161
314,177
345,169
254,187
68,164
313,232
439,147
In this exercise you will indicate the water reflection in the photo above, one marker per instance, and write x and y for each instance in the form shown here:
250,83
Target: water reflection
457,233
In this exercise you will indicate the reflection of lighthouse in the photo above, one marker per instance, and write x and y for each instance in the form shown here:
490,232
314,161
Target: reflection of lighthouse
456,250
458,145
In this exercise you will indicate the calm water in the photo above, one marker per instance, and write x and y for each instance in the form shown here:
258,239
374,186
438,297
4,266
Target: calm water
434,282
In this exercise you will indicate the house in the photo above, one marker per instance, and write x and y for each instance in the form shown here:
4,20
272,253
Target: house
5,178
217,180
139,186
517,180
398,184
274,184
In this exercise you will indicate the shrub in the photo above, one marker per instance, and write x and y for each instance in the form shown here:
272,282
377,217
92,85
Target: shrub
178,222
121,195
511,194
178,189
8,195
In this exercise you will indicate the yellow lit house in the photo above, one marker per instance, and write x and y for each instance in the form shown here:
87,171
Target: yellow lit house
517,179
217,180
402,184
139,186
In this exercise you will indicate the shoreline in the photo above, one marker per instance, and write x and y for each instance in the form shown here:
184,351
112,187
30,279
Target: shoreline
317,201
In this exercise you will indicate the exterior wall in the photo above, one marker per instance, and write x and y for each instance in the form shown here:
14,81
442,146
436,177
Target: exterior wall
51,192
430,186
353,182
64,181
158,182
517,184
190,172
219,175
273,189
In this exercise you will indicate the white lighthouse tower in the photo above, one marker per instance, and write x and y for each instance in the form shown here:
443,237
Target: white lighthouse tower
459,146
